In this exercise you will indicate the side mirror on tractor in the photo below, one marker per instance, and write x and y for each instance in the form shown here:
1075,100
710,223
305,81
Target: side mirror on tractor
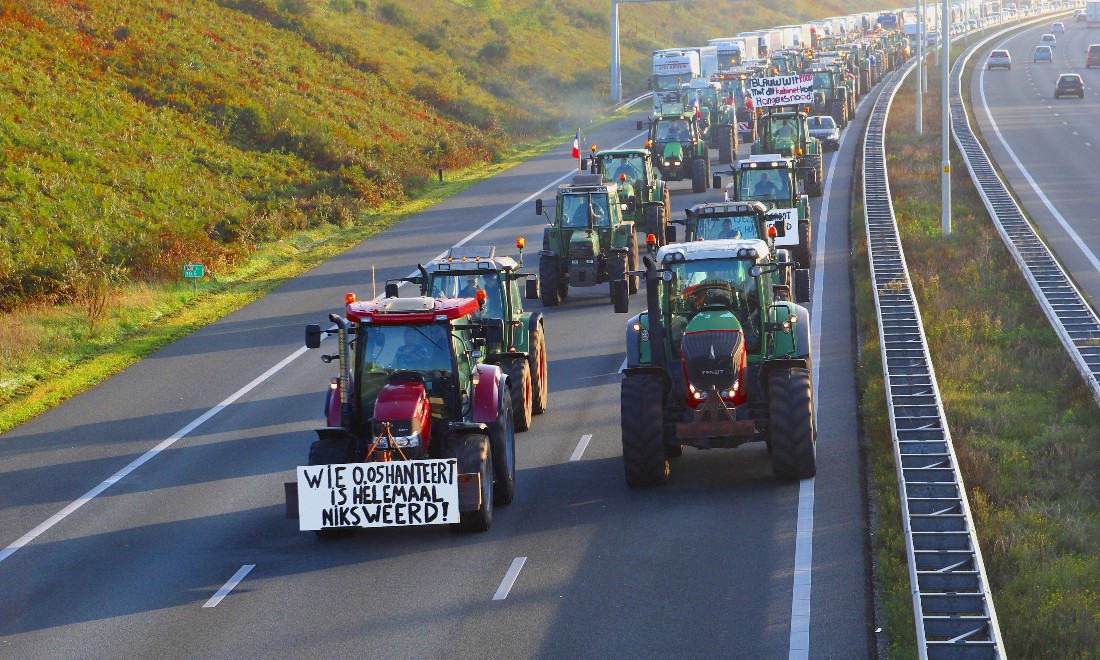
640,126
538,207
532,289
313,336
619,296
494,330
584,164
716,181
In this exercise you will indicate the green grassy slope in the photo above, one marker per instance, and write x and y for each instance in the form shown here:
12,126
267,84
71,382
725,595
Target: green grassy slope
141,135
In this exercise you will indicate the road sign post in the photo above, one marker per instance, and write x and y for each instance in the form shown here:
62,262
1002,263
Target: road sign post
193,272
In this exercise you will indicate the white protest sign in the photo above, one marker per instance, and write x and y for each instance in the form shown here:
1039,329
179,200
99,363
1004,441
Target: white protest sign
790,220
391,494
782,90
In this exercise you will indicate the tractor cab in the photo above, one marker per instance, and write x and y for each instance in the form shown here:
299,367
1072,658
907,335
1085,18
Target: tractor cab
643,195
731,220
773,181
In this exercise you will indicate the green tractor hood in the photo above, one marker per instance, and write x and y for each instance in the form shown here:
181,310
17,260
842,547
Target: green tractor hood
672,151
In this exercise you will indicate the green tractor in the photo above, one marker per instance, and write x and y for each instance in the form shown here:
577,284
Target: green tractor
773,181
679,148
641,189
718,359
719,118
830,94
477,272
785,133
735,83
587,241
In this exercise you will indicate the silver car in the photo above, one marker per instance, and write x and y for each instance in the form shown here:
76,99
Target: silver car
824,128
999,59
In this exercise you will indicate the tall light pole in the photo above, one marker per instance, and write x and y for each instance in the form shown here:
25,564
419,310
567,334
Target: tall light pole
920,63
616,68
945,108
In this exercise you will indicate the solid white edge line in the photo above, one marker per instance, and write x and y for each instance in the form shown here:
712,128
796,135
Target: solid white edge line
509,578
804,526
229,586
1027,175
581,446
107,483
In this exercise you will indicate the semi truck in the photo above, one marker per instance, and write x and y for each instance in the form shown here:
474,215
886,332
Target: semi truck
673,67
1092,14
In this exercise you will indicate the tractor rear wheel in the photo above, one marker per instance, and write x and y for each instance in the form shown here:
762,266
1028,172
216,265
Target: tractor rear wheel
520,387
803,252
617,266
502,436
699,175
537,357
839,111
727,146
791,407
801,283
474,456
550,281
642,424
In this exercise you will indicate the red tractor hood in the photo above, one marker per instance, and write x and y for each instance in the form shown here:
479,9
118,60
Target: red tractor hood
401,401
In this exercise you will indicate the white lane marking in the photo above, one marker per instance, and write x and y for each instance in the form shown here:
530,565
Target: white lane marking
509,578
581,446
141,460
804,527
622,366
1031,181
228,586
110,481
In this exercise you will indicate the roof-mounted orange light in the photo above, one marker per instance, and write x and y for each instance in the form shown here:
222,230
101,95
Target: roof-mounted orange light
593,147
622,177
798,151
481,297
349,298
648,143
520,243
650,239
772,233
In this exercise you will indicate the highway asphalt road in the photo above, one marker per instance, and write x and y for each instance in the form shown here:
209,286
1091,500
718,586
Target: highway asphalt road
125,510
1047,148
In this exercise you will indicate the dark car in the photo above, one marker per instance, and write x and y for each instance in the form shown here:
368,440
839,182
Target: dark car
1069,84
824,128
1093,57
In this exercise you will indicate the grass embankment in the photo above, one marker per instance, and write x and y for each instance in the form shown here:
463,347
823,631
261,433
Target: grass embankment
1025,428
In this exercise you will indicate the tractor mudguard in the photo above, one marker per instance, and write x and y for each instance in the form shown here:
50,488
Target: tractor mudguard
633,340
802,330
486,393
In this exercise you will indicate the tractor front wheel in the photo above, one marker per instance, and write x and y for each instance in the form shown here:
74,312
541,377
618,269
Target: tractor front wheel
537,357
642,423
502,436
727,144
791,407
803,253
617,266
699,171
520,388
550,281
474,455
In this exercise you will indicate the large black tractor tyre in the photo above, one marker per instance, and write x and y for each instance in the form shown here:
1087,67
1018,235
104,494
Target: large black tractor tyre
332,451
801,286
791,407
521,388
839,111
864,79
815,184
474,455
803,252
617,265
642,423
727,143
700,174
550,281
536,355
632,281
502,437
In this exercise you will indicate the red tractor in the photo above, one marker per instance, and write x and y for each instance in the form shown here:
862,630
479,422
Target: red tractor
419,432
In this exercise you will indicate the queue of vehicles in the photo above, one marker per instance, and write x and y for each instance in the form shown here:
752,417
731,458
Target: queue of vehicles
432,388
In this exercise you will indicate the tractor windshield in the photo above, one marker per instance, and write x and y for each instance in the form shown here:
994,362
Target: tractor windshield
630,165
784,129
577,208
711,283
765,185
823,81
673,130
737,226
383,350
466,285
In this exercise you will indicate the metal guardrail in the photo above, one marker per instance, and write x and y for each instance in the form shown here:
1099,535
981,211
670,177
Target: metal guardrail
1065,307
953,609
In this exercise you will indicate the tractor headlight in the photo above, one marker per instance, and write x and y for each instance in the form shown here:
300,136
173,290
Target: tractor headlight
412,440
645,335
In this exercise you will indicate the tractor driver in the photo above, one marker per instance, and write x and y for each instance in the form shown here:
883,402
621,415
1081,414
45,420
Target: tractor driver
470,289
727,230
414,352
765,188
625,167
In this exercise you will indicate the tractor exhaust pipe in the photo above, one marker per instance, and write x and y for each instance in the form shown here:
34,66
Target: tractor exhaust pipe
653,304
342,326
